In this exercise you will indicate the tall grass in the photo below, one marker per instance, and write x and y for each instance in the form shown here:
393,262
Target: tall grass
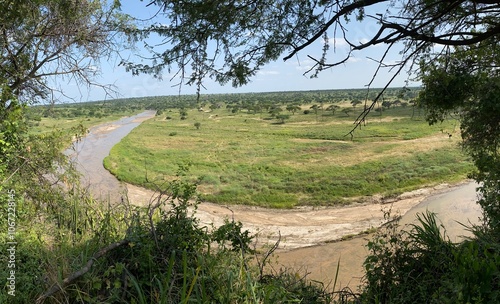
419,264
164,256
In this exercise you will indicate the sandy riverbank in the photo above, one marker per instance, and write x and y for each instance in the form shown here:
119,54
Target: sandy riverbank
302,226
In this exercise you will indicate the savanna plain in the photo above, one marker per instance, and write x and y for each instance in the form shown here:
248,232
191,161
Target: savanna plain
283,153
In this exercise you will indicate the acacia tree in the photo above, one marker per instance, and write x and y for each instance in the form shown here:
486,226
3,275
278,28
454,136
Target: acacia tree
43,39
230,40
451,46
43,42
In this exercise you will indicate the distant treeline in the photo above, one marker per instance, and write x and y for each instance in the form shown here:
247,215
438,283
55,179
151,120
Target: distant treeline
249,101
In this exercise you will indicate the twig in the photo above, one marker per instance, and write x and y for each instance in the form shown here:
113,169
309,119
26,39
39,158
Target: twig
58,287
267,255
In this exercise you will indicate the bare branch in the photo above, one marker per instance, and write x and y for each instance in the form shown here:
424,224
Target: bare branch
74,276
342,12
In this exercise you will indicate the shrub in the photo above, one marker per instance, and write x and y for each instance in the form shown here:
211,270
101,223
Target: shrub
423,266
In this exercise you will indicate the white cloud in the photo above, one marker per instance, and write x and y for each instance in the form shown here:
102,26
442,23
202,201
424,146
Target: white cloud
336,43
268,73
364,40
303,67
354,59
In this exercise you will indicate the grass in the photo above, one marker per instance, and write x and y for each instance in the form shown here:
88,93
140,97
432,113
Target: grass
62,121
251,159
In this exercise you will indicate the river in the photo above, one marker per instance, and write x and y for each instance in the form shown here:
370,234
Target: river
89,153
454,207
306,232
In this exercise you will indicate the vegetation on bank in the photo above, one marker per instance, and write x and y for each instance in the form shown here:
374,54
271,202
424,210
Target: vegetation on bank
243,152
45,119
77,250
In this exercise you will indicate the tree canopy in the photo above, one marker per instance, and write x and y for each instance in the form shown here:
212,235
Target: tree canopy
46,38
231,40
41,41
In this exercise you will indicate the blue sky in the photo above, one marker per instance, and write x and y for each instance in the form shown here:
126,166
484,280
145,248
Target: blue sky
276,76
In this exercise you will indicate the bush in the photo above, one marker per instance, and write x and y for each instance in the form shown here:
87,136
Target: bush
423,266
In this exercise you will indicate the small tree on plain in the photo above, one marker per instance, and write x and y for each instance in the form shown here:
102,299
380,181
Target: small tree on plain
282,118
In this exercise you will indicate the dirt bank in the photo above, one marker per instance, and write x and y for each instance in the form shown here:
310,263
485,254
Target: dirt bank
304,226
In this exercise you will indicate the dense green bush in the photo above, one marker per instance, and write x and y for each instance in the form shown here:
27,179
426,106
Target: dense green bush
421,265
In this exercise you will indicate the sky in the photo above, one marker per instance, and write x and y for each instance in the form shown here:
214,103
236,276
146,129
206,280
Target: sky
276,76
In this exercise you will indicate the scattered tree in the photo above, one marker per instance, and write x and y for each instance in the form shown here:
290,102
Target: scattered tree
197,125
275,110
293,108
386,104
333,108
282,118
355,102
346,111
315,108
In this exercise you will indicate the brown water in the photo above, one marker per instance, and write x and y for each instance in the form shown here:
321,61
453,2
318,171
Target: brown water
454,207
89,153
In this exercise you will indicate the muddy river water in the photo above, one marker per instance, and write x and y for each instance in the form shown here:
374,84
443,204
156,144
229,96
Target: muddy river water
307,234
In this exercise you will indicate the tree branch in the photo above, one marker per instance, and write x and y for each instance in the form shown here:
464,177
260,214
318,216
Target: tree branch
343,11
58,287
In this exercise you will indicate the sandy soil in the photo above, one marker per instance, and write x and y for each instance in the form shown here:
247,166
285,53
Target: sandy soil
303,226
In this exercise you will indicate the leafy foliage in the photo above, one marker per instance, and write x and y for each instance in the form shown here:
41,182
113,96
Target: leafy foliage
421,265
46,39
467,83
236,30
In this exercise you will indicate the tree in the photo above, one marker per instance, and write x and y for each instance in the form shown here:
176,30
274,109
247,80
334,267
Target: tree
355,102
275,110
467,83
386,104
346,111
282,118
46,39
315,108
42,41
197,125
293,108
333,108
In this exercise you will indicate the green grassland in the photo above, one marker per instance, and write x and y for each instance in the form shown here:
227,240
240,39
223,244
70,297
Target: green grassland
250,157
44,119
